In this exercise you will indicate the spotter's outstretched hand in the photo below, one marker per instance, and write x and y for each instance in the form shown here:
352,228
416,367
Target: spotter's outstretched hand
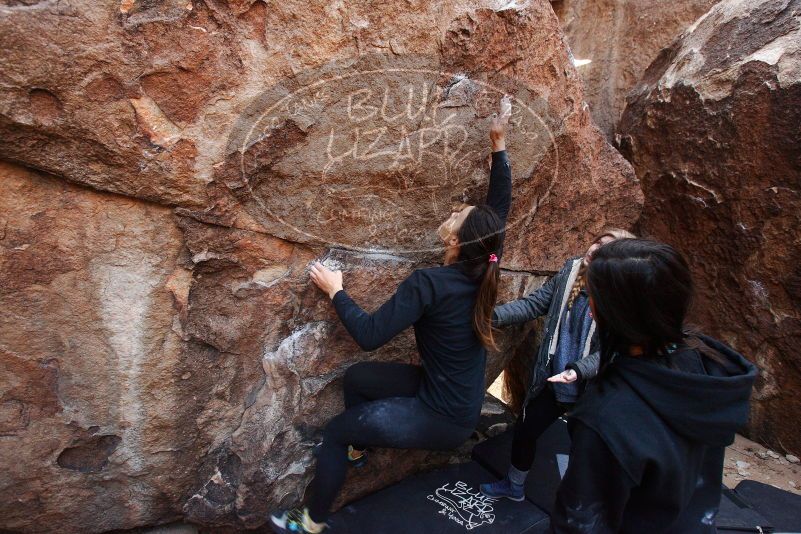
565,377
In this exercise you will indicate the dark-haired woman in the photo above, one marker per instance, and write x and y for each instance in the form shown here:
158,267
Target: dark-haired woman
434,406
648,436
568,354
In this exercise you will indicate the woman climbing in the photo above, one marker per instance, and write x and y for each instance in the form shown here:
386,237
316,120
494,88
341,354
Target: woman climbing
436,405
568,353
648,436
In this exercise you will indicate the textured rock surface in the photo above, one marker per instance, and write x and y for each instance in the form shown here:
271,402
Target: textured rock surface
620,38
712,131
164,354
90,387
149,369
231,112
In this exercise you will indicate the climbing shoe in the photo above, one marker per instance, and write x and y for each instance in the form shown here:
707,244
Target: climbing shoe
356,461
295,521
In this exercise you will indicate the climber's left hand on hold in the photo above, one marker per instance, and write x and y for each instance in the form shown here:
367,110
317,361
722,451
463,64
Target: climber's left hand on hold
329,282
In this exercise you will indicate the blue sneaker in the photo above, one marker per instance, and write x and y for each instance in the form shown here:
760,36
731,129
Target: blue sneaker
502,488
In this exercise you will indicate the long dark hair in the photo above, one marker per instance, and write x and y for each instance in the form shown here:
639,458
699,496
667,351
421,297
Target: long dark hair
480,236
641,292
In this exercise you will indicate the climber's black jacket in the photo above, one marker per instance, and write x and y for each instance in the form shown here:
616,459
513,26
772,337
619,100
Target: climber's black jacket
438,302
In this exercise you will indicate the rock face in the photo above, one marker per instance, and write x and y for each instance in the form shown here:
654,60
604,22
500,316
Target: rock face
163,352
90,388
712,131
620,38
156,366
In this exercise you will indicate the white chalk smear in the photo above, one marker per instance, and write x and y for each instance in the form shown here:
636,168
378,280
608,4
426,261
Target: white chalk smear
506,106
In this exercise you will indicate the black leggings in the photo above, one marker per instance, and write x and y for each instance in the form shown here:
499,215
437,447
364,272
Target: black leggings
381,410
540,413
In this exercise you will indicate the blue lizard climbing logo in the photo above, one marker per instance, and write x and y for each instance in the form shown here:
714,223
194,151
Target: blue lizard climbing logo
386,143
464,505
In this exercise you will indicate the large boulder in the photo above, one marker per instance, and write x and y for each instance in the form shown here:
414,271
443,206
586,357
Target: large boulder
154,366
164,354
712,130
318,123
620,38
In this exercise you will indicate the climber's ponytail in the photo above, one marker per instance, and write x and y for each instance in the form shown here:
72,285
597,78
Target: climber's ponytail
485,304
480,240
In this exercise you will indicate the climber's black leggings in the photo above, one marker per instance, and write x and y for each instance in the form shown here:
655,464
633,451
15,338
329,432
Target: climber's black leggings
540,412
381,410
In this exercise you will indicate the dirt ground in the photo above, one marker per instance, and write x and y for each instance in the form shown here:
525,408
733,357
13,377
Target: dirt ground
745,460
748,460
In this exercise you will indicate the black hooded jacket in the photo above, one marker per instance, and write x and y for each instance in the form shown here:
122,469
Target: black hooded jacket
649,440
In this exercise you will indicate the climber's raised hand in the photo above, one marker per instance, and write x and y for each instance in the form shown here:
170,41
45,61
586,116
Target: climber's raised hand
327,280
498,124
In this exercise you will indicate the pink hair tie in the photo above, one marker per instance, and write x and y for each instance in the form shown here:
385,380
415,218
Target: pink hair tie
493,258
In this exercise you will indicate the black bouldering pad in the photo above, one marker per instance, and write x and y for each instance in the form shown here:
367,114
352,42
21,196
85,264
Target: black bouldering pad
780,507
444,501
736,515
550,463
